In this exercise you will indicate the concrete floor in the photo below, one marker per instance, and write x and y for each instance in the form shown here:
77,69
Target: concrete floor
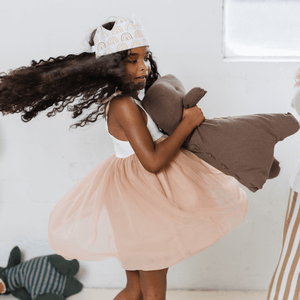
103,294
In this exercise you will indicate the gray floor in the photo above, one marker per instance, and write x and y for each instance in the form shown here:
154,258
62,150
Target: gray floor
97,294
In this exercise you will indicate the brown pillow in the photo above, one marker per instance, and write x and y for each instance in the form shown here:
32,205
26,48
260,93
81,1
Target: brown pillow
241,146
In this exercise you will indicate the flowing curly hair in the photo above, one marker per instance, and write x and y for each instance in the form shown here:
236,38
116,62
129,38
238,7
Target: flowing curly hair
80,82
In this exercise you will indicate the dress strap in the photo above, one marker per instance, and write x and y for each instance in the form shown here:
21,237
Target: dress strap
107,100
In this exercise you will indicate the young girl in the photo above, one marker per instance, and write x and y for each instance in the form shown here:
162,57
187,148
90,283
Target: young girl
151,204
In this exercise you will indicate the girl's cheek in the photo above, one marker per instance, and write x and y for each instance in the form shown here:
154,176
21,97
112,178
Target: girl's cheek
130,76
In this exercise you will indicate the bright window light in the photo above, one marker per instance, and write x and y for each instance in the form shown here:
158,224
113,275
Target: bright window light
261,28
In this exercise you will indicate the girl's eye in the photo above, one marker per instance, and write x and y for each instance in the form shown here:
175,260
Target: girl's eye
146,58
131,61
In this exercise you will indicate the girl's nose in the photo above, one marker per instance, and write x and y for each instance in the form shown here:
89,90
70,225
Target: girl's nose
143,66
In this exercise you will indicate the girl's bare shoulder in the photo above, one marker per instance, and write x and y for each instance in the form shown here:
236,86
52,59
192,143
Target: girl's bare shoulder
122,102
125,109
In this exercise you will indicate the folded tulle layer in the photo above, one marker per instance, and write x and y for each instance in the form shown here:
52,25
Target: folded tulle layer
147,221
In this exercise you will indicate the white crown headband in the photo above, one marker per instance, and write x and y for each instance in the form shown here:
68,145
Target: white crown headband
126,34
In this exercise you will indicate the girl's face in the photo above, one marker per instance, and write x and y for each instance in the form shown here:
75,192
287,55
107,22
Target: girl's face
137,66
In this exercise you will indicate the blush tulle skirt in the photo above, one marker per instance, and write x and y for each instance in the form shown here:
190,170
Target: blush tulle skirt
147,221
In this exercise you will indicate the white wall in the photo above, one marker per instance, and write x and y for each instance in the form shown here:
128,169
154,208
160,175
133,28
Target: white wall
42,159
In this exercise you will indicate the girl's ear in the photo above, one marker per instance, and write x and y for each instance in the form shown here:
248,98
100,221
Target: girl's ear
193,97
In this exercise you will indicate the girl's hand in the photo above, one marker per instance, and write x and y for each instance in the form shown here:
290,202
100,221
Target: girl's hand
193,116
153,156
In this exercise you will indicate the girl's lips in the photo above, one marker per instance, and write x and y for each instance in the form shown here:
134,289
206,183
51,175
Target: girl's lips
142,78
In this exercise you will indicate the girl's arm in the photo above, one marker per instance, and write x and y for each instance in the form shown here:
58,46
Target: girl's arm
153,157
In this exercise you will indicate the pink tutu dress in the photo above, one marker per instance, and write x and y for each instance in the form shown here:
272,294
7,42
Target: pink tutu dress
147,221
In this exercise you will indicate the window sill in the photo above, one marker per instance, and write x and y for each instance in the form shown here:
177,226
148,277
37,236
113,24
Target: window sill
263,59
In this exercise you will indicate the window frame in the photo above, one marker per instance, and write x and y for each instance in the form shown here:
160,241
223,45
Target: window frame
270,58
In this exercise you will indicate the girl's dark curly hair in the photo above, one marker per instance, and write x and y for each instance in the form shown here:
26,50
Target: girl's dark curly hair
80,82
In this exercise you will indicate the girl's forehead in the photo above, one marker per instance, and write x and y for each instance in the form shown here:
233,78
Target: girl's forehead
139,51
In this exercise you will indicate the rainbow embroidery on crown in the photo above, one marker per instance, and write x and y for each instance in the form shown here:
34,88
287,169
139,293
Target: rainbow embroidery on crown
138,34
116,30
130,26
126,37
122,47
135,44
126,34
101,46
112,40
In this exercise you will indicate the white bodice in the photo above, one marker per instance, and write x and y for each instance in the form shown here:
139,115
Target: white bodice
123,148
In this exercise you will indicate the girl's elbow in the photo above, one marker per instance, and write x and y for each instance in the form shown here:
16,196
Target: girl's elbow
152,167
152,162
